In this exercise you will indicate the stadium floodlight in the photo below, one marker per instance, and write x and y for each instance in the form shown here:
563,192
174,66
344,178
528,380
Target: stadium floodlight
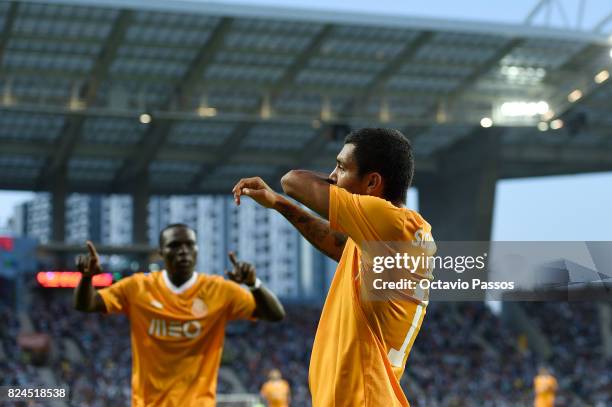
524,109
486,122
385,113
326,111
574,96
7,99
519,74
76,104
602,76
265,111
542,126
556,124
7,95
145,118
548,115
205,111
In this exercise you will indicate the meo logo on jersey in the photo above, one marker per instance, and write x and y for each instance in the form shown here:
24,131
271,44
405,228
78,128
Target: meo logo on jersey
161,328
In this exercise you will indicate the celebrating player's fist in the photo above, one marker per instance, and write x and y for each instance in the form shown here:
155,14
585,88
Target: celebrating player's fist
243,273
89,265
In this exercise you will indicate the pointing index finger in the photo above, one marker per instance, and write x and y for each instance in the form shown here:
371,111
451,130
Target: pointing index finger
233,259
92,249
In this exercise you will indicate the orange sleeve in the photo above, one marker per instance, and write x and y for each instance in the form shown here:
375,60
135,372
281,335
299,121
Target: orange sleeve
364,217
116,296
240,302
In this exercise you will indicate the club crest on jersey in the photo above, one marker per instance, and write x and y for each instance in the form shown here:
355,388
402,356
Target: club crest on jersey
199,308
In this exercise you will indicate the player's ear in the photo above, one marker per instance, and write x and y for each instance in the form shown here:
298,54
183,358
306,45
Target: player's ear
374,185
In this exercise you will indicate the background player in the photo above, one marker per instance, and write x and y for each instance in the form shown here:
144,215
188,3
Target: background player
545,387
276,390
177,318
360,348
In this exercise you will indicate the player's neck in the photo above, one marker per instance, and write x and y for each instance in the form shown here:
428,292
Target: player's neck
178,279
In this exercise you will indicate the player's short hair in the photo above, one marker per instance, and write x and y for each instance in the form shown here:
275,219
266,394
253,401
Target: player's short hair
172,226
388,152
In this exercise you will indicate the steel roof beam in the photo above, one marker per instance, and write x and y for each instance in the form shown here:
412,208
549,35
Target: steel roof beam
194,74
320,140
40,148
165,116
363,95
230,147
9,21
602,24
580,78
155,137
74,124
300,62
484,68
220,86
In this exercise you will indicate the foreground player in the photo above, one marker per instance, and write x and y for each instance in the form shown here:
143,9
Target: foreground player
361,346
545,387
177,318
276,391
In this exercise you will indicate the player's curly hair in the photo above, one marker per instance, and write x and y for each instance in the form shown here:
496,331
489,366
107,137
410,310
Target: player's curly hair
388,152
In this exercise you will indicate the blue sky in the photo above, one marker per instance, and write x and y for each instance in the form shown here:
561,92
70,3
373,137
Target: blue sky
513,11
575,207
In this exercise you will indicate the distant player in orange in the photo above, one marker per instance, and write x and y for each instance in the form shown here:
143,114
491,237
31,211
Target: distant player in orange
545,387
361,346
177,318
276,391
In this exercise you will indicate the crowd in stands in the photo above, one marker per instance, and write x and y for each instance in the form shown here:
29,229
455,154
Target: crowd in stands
260,347
463,356
15,366
102,375
573,329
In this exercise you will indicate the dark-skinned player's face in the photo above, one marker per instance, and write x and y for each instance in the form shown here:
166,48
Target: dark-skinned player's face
346,173
179,250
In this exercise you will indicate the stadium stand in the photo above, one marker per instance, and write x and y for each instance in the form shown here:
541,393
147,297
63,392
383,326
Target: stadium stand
464,355
573,330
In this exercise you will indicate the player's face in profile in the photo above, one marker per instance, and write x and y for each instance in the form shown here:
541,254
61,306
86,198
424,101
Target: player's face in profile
179,250
346,173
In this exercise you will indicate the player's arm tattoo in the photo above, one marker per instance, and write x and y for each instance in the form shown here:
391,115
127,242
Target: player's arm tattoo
315,229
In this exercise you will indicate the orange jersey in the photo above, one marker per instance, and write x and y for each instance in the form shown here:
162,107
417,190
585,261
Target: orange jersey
545,387
177,334
361,346
276,393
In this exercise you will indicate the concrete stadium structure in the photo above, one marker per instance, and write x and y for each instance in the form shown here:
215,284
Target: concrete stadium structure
179,97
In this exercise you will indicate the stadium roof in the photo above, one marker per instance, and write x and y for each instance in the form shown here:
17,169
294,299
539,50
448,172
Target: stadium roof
237,91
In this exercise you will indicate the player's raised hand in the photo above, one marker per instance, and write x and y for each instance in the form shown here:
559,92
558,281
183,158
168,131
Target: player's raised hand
89,265
257,189
243,273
